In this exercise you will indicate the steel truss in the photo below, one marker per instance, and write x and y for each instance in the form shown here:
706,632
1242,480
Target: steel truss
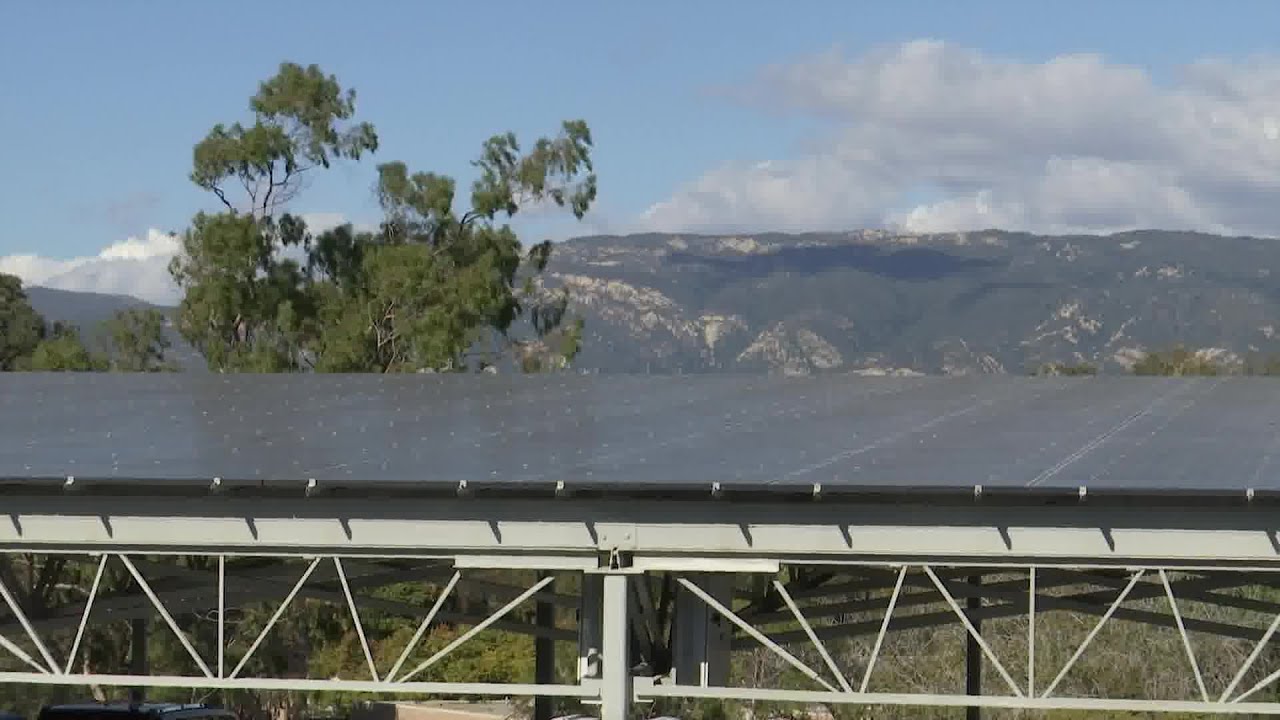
629,620
172,593
662,598
1020,591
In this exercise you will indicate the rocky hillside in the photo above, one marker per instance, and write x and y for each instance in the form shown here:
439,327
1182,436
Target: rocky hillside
878,302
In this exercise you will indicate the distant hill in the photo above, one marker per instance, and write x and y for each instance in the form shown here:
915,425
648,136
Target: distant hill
88,311
880,302
877,302
84,309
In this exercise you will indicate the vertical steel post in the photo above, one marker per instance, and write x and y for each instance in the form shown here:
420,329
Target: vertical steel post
589,618
701,637
1031,632
138,657
222,615
615,687
973,652
544,656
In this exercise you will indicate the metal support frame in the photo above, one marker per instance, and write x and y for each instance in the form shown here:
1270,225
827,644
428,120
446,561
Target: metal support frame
240,677
701,637
616,682
544,662
973,652
615,688
882,571
946,586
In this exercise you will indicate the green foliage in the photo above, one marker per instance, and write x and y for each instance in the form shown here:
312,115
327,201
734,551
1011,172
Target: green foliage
63,351
1266,366
240,308
21,327
435,288
28,343
1178,361
138,343
1071,370
299,124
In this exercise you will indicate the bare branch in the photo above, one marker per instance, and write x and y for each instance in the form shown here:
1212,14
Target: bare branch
271,185
222,196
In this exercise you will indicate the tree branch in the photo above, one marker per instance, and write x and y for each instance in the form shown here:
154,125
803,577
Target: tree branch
271,185
223,197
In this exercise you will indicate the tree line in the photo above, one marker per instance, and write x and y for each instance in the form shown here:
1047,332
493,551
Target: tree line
439,285
443,283
132,340
1176,362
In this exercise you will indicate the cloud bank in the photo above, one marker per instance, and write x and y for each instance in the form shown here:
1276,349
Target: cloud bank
930,137
136,266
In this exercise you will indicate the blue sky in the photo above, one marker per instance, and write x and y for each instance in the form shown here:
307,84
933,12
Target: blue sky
103,100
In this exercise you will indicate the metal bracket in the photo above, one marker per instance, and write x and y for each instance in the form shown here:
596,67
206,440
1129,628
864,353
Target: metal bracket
617,537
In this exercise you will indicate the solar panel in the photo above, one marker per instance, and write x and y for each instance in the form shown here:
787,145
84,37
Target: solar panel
838,431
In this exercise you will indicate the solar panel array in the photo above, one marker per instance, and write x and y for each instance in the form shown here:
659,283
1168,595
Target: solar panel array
1116,433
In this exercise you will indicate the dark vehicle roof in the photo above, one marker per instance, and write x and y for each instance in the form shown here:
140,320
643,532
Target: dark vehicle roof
121,711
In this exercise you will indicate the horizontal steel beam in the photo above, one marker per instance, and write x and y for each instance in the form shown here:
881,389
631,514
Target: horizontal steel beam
263,584
811,531
1098,705
584,692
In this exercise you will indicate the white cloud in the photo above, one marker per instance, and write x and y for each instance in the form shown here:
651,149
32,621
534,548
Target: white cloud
135,266
1074,144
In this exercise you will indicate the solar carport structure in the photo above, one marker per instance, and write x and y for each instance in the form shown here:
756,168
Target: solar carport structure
677,520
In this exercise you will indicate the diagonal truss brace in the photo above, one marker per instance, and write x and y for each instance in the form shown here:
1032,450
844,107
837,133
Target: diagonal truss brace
355,618
884,629
164,613
88,609
426,622
973,631
1093,633
275,617
1182,631
478,628
16,609
760,637
813,637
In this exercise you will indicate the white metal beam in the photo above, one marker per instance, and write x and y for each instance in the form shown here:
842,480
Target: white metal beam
813,637
973,631
88,609
16,609
422,626
1182,631
275,617
355,618
616,683
1093,633
884,629
815,698
681,530
303,684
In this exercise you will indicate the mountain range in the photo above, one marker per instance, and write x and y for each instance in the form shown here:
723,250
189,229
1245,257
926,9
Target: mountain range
880,302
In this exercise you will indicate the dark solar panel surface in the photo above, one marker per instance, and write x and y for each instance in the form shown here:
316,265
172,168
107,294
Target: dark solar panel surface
1107,433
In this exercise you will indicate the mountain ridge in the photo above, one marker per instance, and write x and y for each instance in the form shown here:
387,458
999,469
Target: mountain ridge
878,301
884,302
